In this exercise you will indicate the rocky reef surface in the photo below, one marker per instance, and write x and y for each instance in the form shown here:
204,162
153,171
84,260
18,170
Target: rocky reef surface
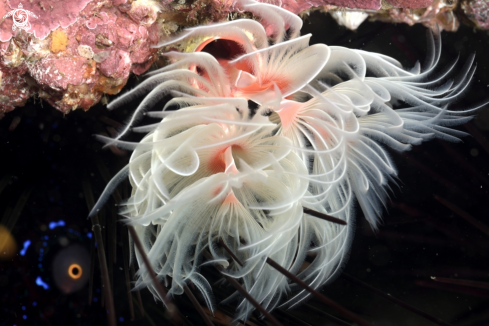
71,53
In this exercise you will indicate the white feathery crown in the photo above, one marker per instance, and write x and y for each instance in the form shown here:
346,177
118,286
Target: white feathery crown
257,132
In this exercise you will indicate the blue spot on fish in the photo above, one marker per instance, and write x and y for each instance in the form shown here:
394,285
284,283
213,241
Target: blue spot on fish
27,243
53,225
40,282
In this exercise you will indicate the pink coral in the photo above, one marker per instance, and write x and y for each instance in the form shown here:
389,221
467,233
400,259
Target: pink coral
15,87
478,12
92,53
117,64
439,13
301,5
410,3
297,6
51,14
5,24
59,72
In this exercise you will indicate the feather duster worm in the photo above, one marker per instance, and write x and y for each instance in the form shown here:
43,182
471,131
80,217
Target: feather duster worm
261,132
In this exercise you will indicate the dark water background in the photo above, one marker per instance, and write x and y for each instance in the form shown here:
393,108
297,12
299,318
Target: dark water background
51,154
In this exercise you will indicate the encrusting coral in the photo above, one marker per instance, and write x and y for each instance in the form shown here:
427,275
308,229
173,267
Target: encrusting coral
259,131
73,52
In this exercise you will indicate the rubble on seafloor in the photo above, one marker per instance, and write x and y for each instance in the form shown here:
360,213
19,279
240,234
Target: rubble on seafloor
72,52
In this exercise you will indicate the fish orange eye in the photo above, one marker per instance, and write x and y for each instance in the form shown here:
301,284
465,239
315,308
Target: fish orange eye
75,271
70,268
